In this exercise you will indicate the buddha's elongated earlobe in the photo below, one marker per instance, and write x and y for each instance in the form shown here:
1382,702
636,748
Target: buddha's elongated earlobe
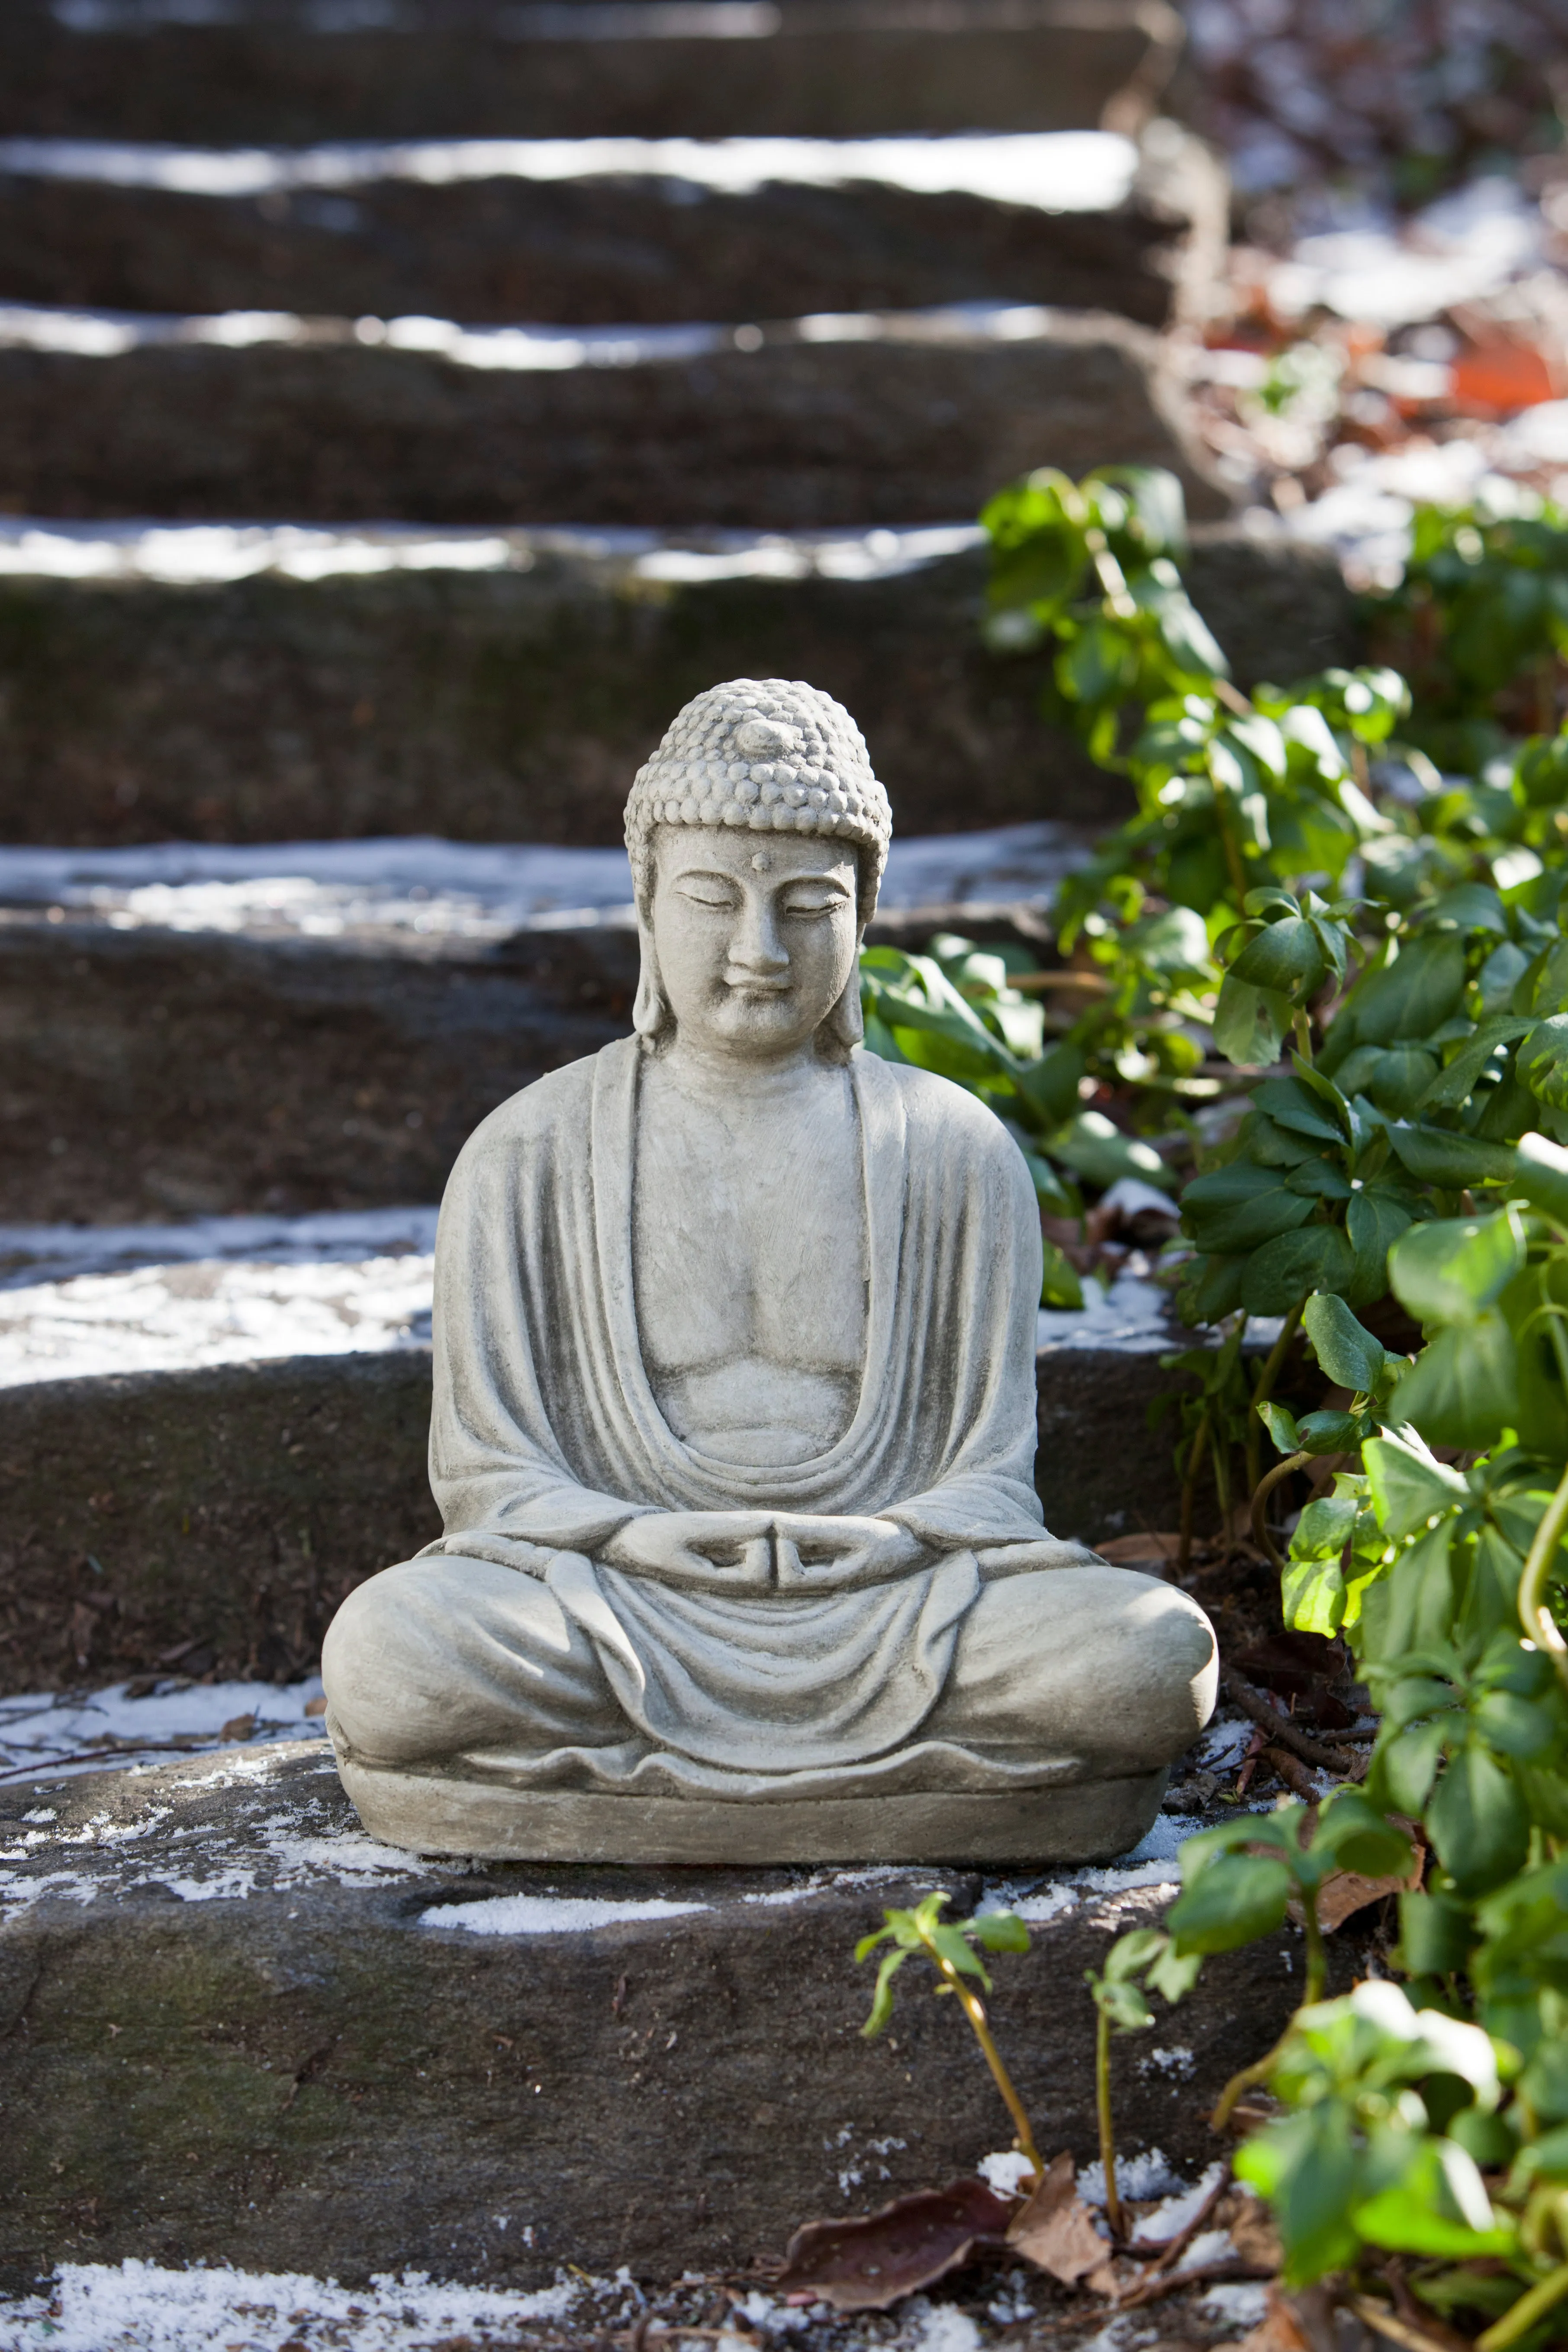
843,1029
651,1016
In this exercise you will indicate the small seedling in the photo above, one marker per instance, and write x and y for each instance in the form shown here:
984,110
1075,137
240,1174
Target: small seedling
949,1945
1122,2006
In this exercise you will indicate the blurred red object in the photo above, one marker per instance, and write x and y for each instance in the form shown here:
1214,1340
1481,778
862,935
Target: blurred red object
1501,377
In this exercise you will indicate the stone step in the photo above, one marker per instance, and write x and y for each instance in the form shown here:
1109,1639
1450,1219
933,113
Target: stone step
852,418
260,684
209,1434
466,68
320,1026
233,2029
607,232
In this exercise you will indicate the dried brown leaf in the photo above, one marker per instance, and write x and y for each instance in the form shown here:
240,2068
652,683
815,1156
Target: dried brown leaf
868,2262
1279,2330
1055,2232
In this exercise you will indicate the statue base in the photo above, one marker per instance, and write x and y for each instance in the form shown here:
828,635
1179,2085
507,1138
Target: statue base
1091,1820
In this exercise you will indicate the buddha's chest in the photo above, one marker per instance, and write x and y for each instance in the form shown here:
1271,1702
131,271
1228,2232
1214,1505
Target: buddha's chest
749,1231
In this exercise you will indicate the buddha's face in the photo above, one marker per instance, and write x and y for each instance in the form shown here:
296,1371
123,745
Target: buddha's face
755,934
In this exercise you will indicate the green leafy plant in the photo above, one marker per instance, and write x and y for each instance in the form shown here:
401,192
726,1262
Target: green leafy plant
949,1945
1321,983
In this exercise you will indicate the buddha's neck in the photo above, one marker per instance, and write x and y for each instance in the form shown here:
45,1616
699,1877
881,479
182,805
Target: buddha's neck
726,1080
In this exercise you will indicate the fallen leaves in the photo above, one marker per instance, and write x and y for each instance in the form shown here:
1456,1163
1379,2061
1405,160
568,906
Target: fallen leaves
1055,2232
868,2262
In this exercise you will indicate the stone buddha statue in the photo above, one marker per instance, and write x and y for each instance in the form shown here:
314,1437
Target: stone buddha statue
734,1416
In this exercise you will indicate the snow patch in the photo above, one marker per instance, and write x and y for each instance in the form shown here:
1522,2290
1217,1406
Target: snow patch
1006,2172
140,2307
549,1915
1148,2174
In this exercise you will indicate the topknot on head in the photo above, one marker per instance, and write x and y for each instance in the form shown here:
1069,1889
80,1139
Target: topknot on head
773,755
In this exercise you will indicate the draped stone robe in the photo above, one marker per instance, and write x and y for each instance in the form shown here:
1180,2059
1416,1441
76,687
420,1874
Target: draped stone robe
547,1438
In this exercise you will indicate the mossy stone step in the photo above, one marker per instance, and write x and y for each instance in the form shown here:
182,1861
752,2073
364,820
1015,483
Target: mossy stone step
516,702
632,240
898,418
232,2029
472,69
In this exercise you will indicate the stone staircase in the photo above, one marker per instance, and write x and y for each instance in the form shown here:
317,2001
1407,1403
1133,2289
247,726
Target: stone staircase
370,499
402,485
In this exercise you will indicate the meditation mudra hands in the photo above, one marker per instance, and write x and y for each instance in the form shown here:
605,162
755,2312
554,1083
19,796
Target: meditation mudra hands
763,1551
783,1551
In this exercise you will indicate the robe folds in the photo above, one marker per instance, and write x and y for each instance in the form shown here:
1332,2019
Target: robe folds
546,1438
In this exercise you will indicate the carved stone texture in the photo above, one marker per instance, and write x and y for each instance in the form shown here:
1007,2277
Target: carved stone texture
314,2067
822,69
910,426
734,1426
513,705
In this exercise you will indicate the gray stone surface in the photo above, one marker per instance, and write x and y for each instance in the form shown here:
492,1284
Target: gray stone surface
149,1072
512,704
469,68
233,2029
608,250
230,1508
889,423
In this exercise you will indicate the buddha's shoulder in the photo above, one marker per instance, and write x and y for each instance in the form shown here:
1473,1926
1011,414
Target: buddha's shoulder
535,1121
942,1117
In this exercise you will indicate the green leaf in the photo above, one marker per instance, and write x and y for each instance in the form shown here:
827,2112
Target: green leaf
1478,1823
1456,1083
1435,1155
1541,1176
1331,1433
1307,2166
1049,1085
1060,1283
1248,1023
883,2001
1414,994
1312,1596
1325,1526
1175,1973
1373,1221
1290,1104
1000,1931
1435,1932
1345,1350
1542,1060
1092,1147
1407,1764
1463,1390
1284,955
1451,1271
1240,1208
1280,1274
1408,1486
1280,1425
1354,1834
1237,1898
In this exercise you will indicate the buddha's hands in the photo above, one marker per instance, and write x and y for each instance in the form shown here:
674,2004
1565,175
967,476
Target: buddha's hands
762,1551
830,1550
729,1549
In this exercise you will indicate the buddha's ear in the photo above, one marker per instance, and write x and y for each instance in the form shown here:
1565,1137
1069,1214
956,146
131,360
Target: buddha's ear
844,1029
651,1016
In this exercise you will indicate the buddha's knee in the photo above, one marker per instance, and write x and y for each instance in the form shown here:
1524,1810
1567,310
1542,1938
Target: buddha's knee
1098,1661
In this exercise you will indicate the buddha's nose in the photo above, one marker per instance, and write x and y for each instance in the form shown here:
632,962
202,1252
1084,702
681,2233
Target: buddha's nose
757,950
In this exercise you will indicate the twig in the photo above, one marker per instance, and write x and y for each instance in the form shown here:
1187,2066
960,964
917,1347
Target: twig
1189,1496
1294,1774
1189,2230
1149,2290
1260,1494
1283,1732
1388,2323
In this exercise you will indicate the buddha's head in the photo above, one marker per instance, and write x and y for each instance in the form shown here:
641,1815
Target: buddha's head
757,834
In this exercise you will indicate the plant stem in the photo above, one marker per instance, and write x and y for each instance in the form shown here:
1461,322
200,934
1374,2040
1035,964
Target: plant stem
975,2011
1189,1488
1260,1494
1250,2076
1264,1390
1106,2129
1525,2312
1315,1958
1535,1613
